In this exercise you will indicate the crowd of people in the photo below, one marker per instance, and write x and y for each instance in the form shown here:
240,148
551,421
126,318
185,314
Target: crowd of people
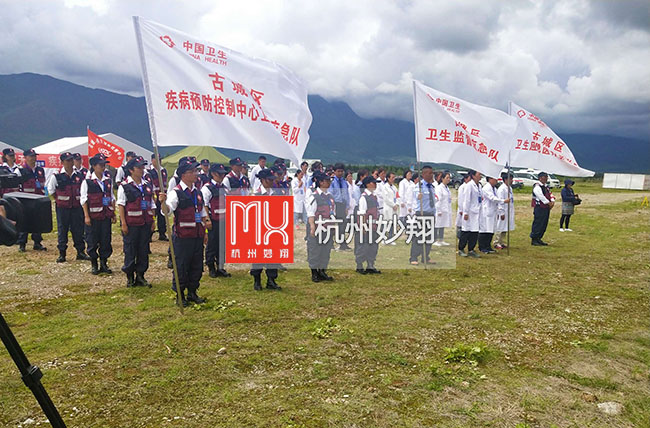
88,202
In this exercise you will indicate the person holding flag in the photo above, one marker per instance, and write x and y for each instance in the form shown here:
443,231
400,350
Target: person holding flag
542,203
487,222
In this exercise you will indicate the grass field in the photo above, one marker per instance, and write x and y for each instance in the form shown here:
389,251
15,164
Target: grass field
534,339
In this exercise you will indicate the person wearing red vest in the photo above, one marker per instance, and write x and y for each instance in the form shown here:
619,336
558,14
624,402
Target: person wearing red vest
236,182
98,203
136,206
542,203
204,176
78,165
34,183
266,177
366,245
320,206
191,219
214,197
9,161
66,188
151,175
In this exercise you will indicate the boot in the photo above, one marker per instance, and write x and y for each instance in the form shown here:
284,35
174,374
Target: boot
21,248
130,279
170,265
95,267
81,255
162,237
212,270
315,277
272,285
61,258
139,280
257,284
39,247
361,270
223,272
193,297
372,270
103,266
324,276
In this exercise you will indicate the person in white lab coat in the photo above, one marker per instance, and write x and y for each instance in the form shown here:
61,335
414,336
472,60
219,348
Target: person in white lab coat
298,188
459,212
402,191
252,174
471,207
411,195
391,206
504,192
443,209
488,220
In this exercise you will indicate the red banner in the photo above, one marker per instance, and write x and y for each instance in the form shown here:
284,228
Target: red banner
114,153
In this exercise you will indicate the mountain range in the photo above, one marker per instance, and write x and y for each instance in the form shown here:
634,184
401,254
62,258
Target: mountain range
35,109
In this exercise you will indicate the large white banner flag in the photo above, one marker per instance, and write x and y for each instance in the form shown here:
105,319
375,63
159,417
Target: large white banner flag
201,94
535,145
451,130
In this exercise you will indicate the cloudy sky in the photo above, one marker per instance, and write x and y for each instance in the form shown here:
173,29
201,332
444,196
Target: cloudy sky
582,66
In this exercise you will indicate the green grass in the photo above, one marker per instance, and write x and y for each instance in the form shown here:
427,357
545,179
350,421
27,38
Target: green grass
394,350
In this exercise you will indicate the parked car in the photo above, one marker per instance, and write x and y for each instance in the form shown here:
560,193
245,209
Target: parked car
457,178
553,182
527,179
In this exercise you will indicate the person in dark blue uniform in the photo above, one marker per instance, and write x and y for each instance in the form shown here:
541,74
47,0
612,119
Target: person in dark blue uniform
34,183
214,197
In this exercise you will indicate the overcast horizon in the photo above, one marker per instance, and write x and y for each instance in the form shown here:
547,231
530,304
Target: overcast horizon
583,67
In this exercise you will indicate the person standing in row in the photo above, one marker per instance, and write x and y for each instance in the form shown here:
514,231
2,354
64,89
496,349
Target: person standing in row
298,188
267,179
402,192
204,174
487,222
136,207
158,185
443,209
425,211
191,219
503,222
122,171
34,183
98,203
320,207
78,165
471,207
214,198
9,162
542,203
66,188
366,245
569,201
234,181
390,212
459,211
252,175
340,193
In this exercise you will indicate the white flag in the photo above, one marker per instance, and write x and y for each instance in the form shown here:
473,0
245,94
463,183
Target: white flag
535,145
451,130
201,94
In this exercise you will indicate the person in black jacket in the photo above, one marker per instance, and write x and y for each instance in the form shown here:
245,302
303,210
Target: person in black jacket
569,199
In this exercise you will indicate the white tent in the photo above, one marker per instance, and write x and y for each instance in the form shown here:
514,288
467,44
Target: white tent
48,153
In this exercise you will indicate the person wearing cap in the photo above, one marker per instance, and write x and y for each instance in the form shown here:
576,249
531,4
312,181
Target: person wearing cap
173,182
151,175
66,188
122,171
425,210
252,175
136,206
78,165
339,191
204,173
267,179
191,219
9,162
471,207
488,219
214,197
246,183
98,203
503,222
320,207
234,182
316,167
542,203
569,199
366,245
34,183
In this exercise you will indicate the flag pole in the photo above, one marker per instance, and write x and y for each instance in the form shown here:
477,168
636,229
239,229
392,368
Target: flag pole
417,155
154,140
509,191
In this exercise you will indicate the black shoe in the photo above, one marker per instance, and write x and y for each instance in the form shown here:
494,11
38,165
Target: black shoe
140,281
373,271
542,242
95,267
223,273
193,297
536,243
324,276
103,267
163,238
361,270
170,265
82,256
272,285
21,248
39,247
130,279
212,271
61,258
257,284
345,247
315,277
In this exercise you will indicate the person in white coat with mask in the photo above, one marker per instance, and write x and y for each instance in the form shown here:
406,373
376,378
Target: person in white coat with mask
488,220
471,207
443,209
503,225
